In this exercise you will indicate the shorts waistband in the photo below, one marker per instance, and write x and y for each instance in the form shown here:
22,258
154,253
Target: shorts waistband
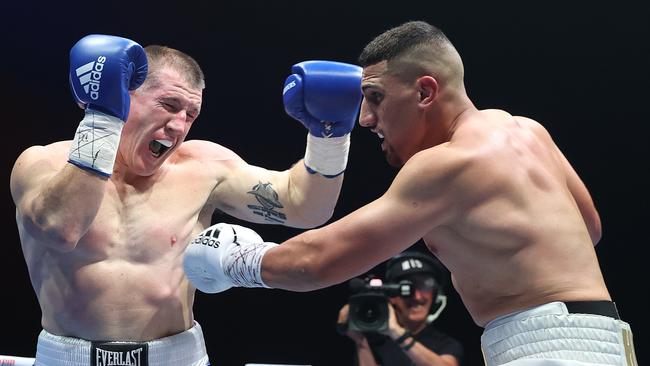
595,307
185,348
584,331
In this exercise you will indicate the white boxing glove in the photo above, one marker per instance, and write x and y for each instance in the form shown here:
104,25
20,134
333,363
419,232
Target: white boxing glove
223,256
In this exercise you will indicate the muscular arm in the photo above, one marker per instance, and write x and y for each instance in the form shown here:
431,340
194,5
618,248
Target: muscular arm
55,202
324,96
292,197
311,197
419,199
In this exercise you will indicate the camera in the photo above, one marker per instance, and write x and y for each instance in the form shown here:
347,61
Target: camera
369,303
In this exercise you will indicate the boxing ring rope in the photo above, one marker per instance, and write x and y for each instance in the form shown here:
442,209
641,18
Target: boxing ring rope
16,361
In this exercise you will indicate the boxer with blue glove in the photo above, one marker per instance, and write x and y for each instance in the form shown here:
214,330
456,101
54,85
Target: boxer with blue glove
105,219
80,228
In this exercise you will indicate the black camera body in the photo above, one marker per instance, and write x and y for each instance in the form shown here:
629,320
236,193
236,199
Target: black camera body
368,310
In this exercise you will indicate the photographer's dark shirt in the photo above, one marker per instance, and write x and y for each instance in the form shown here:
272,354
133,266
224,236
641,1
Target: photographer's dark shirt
388,353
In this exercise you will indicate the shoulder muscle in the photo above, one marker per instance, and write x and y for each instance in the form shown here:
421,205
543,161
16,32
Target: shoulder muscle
35,165
428,184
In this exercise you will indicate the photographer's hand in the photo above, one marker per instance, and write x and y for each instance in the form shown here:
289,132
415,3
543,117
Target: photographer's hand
364,353
394,330
357,337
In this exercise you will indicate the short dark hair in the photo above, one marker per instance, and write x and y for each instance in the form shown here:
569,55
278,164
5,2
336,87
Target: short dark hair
414,49
400,40
163,56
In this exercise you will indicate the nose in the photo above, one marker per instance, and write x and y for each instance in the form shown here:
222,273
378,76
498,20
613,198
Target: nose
176,125
419,294
366,116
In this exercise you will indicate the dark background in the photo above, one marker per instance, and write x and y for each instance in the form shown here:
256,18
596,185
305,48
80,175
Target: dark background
581,70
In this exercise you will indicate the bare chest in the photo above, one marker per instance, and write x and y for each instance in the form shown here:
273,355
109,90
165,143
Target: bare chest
142,226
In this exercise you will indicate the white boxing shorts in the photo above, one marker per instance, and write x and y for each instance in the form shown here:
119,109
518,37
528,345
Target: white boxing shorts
186,348
580,333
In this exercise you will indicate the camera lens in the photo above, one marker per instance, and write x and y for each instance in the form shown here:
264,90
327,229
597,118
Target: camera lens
369,312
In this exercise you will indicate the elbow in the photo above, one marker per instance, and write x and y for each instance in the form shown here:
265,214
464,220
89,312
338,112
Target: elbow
318,220
61,238
62,244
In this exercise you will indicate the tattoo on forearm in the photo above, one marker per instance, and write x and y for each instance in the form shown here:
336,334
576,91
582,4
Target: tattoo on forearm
269,201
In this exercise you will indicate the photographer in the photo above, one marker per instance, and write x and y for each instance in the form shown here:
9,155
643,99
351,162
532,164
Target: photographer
409,338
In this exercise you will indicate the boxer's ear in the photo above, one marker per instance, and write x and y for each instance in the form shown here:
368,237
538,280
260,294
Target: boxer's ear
427,90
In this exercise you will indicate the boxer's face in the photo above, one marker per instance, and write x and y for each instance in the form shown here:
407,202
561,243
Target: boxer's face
416,308
162,112
390,109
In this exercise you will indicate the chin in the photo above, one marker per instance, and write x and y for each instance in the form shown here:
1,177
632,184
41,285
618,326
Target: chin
146,170
394,161
393,158
418,317
148,173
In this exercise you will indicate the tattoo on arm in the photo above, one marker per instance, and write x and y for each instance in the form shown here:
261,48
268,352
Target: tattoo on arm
269,203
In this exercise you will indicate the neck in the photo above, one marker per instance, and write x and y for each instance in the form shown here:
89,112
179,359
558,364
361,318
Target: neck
122,175
445,116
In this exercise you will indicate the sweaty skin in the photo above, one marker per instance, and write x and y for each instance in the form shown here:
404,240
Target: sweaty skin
105,256
490,193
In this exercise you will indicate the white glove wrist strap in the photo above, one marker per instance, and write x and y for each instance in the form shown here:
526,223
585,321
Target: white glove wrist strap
95,144
243,265
327,156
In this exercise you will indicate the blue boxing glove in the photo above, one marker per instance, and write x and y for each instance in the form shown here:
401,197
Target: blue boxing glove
325,96
102,71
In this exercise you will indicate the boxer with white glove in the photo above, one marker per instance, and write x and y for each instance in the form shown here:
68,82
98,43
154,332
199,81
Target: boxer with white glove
103,69
223,256
325,96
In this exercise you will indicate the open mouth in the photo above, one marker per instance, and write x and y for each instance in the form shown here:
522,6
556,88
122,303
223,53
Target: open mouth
379,134
159,147
381,139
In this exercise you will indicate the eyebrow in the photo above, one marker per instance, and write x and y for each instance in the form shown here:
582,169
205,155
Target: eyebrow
171,98
191,107
176,98
368,86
